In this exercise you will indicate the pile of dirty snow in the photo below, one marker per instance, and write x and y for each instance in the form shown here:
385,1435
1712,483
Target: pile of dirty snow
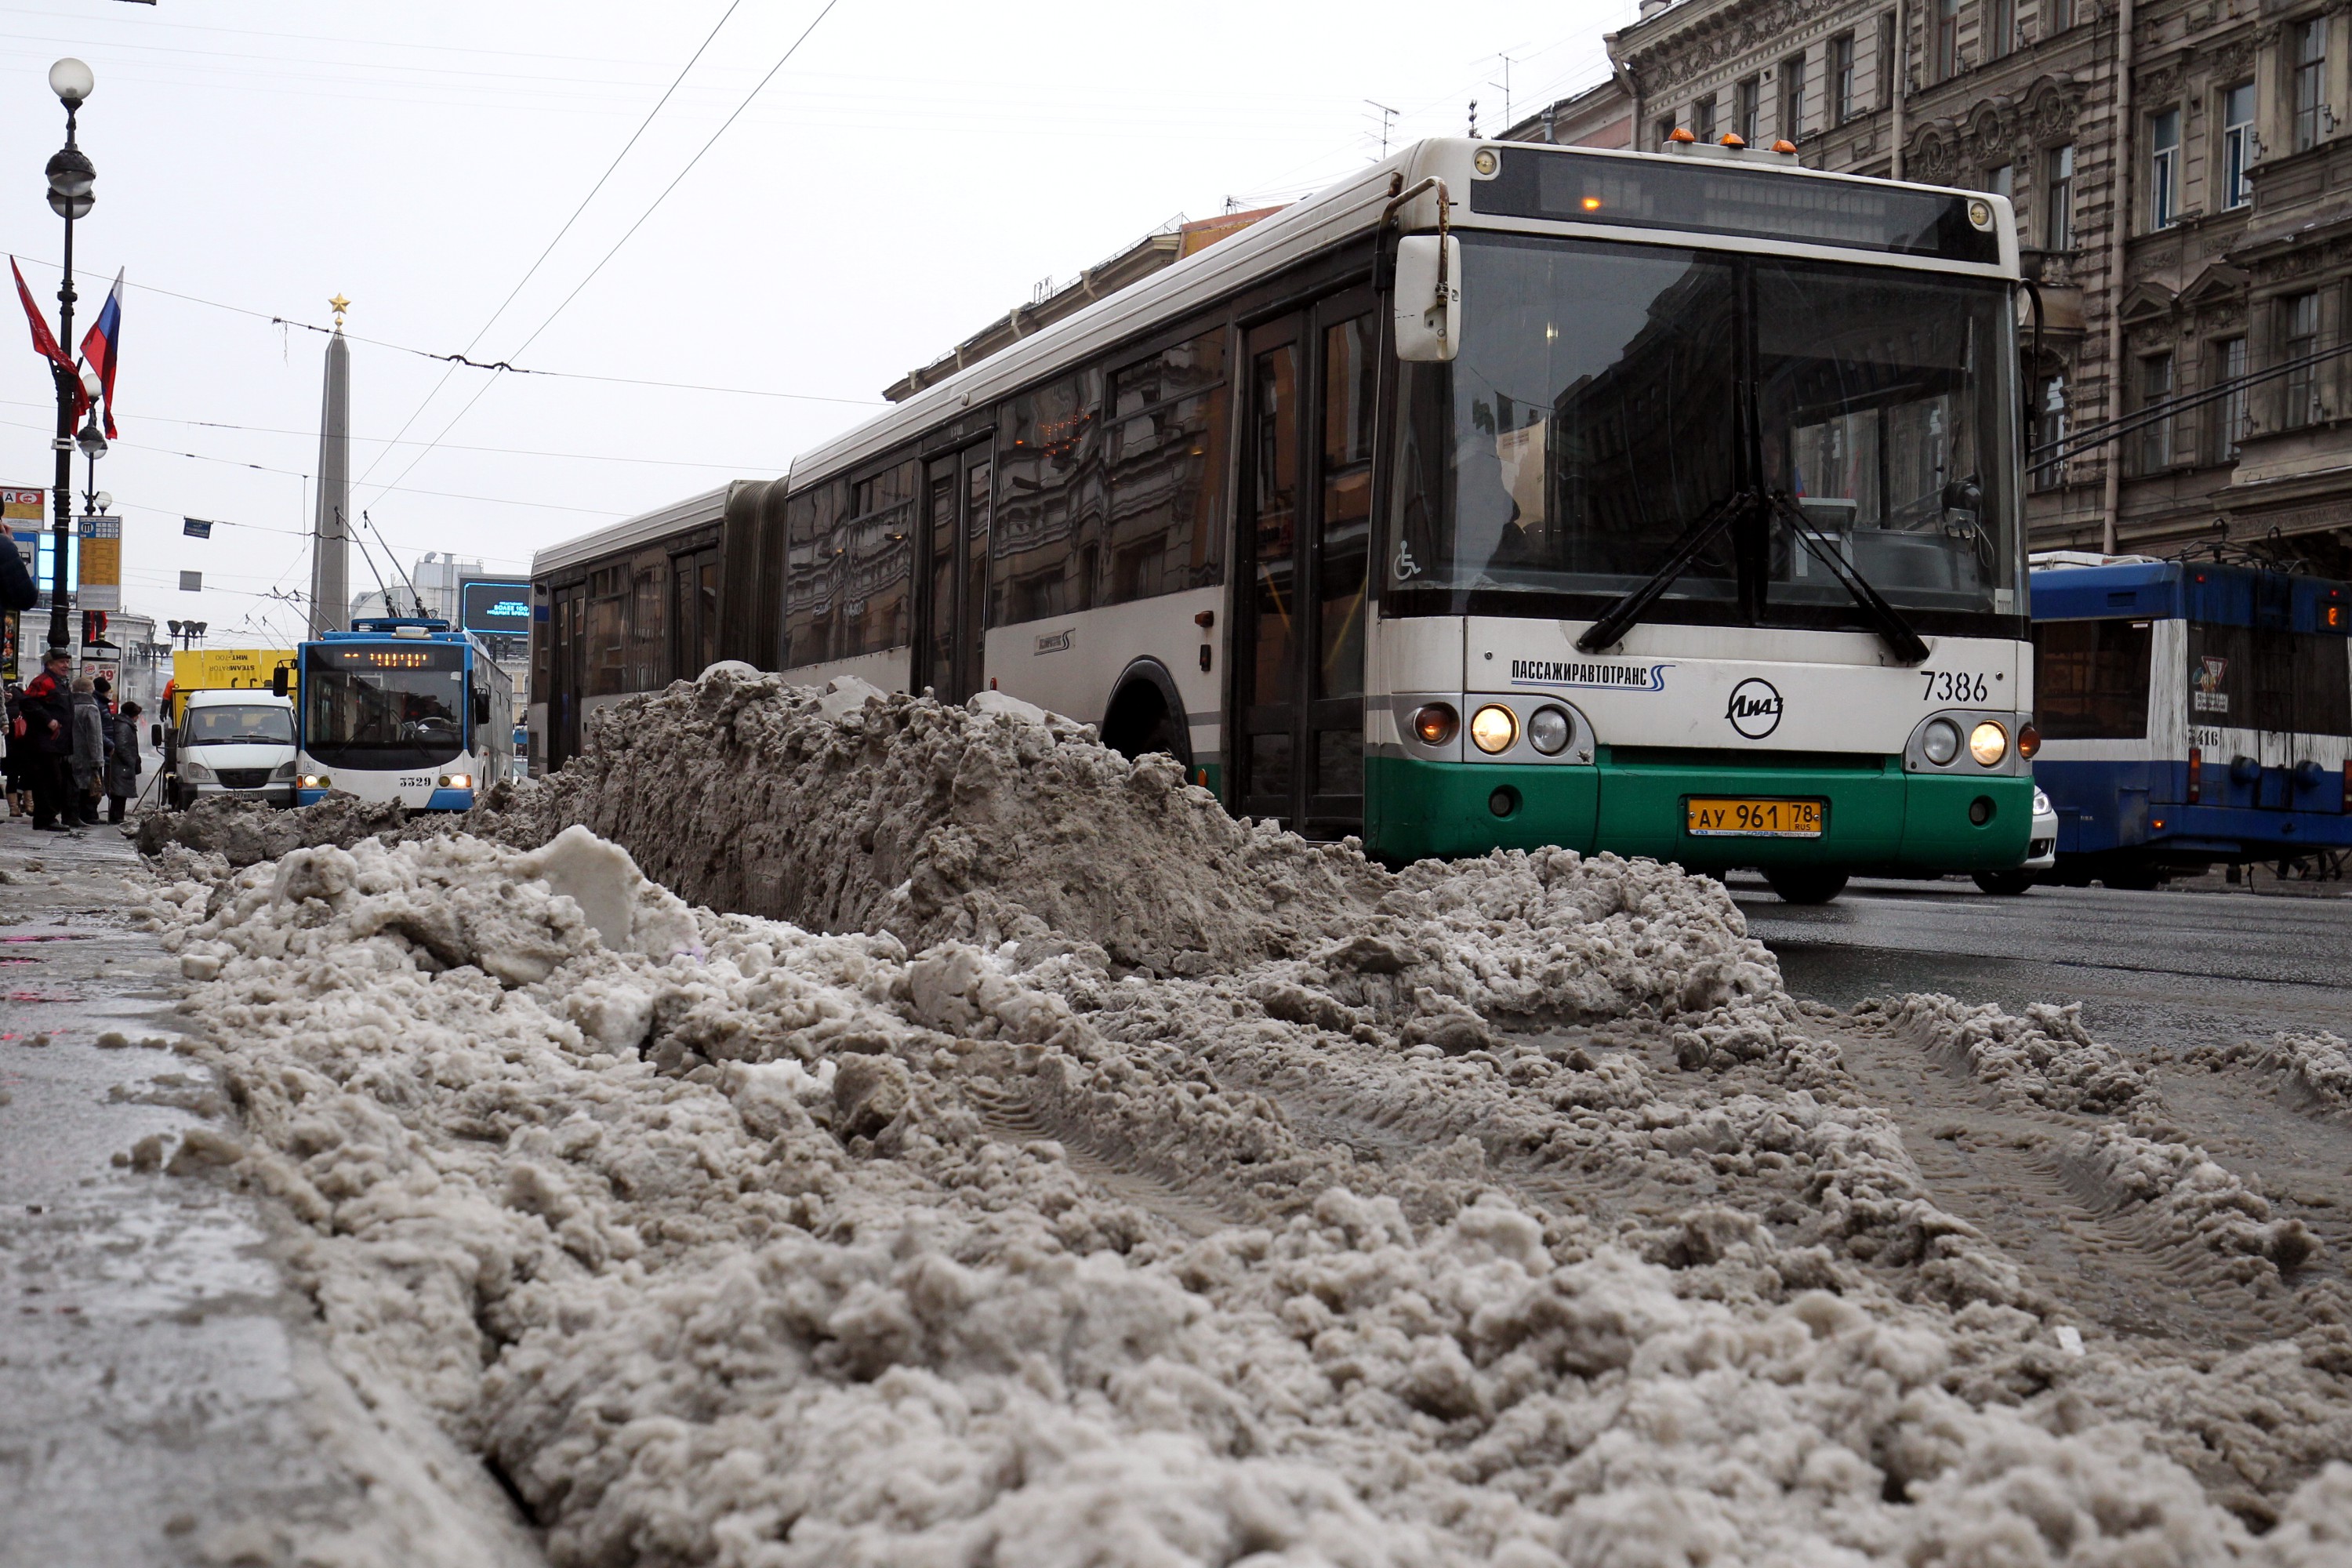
1083,1177
246,832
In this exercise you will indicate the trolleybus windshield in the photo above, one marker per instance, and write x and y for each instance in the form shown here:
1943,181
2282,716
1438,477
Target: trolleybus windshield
1608,397
384,705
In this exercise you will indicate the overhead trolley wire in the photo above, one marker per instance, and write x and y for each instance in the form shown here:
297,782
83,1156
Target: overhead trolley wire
782,60
532,271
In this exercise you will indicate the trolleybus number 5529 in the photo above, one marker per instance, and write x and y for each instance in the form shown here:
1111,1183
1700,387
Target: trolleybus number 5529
1953,686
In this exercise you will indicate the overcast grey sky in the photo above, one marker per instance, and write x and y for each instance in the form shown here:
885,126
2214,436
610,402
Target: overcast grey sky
911,173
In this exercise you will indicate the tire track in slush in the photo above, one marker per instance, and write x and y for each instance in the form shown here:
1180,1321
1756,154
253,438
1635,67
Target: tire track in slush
2108,1257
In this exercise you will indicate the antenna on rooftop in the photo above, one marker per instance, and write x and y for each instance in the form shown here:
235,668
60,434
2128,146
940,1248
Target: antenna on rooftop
1388,124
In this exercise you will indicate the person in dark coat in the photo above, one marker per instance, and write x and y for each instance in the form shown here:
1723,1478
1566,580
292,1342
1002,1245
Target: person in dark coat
48,730
122,763
89,760
20,755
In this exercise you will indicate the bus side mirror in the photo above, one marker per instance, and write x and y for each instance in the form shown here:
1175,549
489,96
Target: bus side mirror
1427,305
277,681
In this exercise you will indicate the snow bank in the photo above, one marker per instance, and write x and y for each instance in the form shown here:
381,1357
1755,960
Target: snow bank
2317,1069
248,831
1274,1207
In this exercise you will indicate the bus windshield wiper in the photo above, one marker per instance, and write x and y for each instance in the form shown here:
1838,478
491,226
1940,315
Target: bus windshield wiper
1612,627
1887,621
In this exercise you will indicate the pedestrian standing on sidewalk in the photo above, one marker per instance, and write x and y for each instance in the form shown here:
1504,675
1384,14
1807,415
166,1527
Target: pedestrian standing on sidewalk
17,591
49,725
88,753
20,754
122,761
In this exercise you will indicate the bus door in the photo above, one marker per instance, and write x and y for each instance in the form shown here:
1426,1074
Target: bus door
1308,413
952,609
567,672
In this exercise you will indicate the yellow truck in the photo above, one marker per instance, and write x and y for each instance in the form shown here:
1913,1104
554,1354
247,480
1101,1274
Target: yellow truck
224,669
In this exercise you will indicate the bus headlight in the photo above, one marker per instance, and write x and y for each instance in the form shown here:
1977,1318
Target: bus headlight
1549,730
1988,743
1434,724
1494,728
315,781
456,781
1941,742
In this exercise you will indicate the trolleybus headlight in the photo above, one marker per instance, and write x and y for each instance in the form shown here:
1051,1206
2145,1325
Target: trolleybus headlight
1988,743
1494,728
1549,730
456,781
1941,742
1434,724
2029,740
316,781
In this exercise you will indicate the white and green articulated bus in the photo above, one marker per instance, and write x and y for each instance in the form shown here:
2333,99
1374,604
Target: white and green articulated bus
1504,495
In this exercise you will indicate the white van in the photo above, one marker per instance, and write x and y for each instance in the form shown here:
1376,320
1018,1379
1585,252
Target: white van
238,742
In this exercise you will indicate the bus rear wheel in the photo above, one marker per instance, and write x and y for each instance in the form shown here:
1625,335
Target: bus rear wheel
1805,884
2007,884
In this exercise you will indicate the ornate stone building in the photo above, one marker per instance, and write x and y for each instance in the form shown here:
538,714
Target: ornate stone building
2182,180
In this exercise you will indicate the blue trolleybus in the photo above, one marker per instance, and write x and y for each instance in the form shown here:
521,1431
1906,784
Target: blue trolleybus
402,709
2191,714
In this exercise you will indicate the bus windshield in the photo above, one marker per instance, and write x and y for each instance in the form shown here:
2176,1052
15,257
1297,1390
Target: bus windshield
1610,398
384,705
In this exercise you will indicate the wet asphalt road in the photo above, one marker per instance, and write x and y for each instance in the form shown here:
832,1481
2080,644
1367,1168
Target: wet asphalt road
2172,968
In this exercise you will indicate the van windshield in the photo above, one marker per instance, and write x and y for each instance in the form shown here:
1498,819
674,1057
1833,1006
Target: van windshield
258,723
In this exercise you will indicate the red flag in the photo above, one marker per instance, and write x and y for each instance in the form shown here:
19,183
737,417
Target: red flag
43,343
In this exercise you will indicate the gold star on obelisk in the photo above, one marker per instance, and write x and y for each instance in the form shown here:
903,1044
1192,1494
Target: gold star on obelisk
339,305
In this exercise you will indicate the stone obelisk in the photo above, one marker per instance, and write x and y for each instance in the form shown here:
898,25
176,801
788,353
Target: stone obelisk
331,599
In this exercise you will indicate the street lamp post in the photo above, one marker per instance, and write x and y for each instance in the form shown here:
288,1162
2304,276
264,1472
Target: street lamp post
72,178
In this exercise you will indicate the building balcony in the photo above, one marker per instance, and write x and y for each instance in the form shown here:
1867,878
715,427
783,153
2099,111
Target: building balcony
2297,195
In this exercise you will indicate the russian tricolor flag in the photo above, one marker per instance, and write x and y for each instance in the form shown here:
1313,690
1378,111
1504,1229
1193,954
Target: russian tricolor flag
104,345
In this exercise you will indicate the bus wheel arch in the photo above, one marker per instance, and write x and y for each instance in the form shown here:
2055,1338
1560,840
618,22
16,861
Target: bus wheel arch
1147,714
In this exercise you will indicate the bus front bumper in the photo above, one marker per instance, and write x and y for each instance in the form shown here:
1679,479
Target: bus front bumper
1873,819
440,800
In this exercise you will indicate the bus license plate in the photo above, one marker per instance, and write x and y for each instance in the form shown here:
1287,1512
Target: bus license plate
1718,818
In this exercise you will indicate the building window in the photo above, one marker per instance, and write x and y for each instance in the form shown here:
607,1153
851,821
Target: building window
2001,28
2230,409
2164,169
1793,97
2299,339
2058,198
1947,61
2156,438
1884,63
1703,119
2310,39
1665,129
2049,429
1842,99
2237,145
1749,119
2003,181
2057,16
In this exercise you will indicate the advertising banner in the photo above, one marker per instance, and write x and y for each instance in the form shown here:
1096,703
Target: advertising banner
101,563
495,608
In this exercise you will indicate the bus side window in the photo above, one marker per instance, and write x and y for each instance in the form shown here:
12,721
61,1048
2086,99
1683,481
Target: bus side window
2091,679
1166,457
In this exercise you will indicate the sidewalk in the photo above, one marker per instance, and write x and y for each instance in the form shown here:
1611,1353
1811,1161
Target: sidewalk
164,1399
